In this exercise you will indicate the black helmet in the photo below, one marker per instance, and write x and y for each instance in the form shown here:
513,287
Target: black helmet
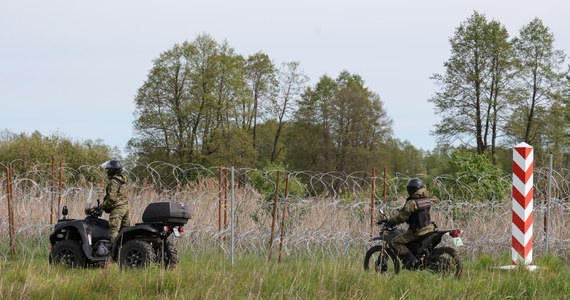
112,166
414,185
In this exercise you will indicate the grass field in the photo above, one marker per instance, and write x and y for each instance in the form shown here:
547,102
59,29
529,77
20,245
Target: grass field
205,275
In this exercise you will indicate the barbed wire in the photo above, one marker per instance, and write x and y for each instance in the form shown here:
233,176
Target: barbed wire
327,211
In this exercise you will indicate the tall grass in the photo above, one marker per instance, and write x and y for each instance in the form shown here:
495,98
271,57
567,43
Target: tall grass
206,275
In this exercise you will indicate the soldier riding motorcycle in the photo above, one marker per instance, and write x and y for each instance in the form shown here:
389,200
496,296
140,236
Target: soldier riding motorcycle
417,246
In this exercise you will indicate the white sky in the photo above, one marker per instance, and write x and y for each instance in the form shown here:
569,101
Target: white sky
74,67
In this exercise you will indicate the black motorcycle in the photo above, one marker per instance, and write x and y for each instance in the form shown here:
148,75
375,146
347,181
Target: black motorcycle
430,256
85,242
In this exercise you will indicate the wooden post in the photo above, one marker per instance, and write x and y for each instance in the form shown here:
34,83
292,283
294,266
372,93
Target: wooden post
372,196
52,191
220,207
385,193
282,238
60,187
547,215
274,215
10,199
226,185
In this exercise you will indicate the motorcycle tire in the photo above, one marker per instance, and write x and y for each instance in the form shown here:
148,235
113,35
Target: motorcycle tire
136,254
385,260
445,261
68,253
167,255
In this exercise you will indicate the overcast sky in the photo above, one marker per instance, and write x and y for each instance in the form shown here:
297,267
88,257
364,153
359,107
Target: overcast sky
73,67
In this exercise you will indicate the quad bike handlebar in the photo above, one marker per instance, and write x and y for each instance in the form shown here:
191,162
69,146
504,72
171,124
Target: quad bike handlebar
96,211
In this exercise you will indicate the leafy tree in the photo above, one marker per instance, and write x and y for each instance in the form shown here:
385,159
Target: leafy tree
340,125
37,151
193,98
539,85
264,181
235,146
406,159
565,130
260,76
471,99
163,107
225,116
359,124
310,140
436,160
474,178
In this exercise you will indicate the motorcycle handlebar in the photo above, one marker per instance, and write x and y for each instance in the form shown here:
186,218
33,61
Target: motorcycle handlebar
385,226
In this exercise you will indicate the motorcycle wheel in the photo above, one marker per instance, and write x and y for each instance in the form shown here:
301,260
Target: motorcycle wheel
167,255
136,254
445,261
67,253
385,260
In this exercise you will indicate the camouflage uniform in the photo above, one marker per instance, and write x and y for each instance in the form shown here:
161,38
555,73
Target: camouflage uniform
116,204
416,212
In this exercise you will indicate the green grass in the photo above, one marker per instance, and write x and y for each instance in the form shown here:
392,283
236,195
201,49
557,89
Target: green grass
202,275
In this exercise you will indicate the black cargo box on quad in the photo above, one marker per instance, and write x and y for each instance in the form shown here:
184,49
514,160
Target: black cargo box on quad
173,213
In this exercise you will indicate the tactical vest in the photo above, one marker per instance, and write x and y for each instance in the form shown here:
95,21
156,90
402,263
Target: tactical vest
420,218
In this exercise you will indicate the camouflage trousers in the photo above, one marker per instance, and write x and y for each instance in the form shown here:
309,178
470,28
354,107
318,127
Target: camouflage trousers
118,218
408,236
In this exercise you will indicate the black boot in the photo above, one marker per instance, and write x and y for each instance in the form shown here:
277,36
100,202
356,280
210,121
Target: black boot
410,261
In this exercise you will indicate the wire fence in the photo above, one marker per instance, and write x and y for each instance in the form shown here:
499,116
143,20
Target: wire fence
324,211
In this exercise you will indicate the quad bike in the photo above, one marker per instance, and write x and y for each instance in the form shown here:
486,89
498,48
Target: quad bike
85,242
439,259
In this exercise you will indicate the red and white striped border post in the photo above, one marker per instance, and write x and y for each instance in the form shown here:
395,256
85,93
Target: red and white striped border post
522,200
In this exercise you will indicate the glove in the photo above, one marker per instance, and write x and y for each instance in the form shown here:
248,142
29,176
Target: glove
382,220
98,210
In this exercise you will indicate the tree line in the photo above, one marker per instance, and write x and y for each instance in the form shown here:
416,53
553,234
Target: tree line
498,91
204,103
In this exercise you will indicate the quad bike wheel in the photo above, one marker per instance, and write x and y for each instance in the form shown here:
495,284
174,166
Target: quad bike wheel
167,255
67,253
136,254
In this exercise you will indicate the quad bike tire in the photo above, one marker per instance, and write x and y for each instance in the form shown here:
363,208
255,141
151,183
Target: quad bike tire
136,254
68,253
384,259
167,255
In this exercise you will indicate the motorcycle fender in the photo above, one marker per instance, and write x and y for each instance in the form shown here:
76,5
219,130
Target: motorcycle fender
380,242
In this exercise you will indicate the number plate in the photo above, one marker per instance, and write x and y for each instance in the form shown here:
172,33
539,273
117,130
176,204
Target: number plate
457,241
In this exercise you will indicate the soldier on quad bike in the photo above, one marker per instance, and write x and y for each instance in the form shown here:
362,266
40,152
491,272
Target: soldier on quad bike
416,212
115,202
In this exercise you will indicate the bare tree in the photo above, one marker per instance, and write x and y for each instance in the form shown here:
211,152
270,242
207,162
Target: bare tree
292,82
